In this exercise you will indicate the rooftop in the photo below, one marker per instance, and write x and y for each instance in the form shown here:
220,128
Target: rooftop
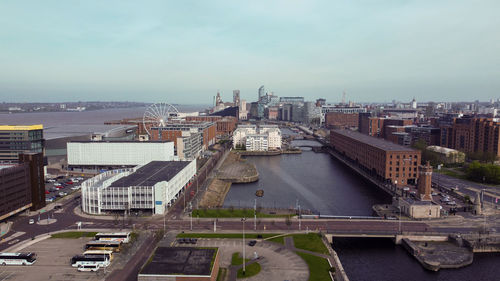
120,141
20,127
181,261
373,141
152,173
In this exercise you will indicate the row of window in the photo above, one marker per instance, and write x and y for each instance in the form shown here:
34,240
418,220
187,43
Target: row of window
403,175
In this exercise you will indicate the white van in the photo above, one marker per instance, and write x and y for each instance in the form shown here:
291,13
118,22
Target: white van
88,267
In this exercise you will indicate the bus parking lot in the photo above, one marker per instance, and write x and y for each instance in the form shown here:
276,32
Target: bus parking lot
53,262
54,257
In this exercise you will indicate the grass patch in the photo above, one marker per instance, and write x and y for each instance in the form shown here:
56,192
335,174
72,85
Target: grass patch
224,235
233,213
318,267
453,173
236,259
73,234
222,274
250,270
311,242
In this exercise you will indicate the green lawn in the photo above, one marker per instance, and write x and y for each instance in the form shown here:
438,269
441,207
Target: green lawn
250,270
224,235
311,242
235,213
280,239
452,173
236,259
73,234
318,267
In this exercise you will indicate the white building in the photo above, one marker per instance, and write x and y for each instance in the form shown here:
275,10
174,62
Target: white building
255,138
150,188
189,145
89,156
257,142
241,132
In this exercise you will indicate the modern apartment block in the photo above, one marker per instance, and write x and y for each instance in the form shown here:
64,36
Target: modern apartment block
473,134
388,161
19,139
255,138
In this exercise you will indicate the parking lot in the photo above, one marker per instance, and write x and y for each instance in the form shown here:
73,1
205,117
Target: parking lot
278,263
53,262
61,186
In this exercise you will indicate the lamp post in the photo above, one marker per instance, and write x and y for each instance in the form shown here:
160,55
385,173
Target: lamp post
255,214
399,219
300,226
243,221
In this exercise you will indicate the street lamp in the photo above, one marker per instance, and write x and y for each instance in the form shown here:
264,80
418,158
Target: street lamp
399,220
243,221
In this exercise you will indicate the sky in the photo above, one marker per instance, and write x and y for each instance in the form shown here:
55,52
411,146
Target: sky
186,51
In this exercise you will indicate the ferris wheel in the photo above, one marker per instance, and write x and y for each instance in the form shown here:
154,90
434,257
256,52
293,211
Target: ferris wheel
157,115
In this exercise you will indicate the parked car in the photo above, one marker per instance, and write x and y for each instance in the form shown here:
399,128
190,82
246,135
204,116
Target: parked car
57,207
47,192
31,221
49,199
69,182
252,243
57,184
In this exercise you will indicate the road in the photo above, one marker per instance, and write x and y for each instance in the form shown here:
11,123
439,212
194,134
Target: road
468,188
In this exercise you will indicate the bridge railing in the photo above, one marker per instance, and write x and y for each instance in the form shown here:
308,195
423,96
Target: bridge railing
386,232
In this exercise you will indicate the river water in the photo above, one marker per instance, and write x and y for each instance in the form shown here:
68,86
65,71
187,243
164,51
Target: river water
67,124
324,185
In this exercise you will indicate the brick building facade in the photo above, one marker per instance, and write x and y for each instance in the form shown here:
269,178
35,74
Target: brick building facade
387,161
342,120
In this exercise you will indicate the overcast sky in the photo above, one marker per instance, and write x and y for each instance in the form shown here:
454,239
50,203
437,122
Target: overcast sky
184,51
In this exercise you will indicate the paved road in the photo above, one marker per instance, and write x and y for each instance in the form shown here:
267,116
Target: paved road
468,188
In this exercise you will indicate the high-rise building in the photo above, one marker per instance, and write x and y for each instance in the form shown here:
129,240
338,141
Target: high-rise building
262,92
19,139
236,97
